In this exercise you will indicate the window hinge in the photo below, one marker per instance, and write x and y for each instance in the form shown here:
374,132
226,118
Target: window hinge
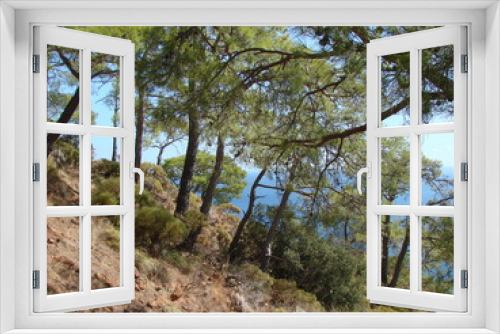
465,279
36,63
36,279
465,63
36,172
464,171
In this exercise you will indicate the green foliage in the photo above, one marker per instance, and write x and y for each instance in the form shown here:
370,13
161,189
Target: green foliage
65,152
156,230
194,219
231,183
286,292
178,260
395,166
395,230
314,263
254,274
106,192
61,82
278,95
319,267
194,201
151,267
106,182
437,254
104,198
224,238
156,180
111,235
146,199
106,168
52,172
228,208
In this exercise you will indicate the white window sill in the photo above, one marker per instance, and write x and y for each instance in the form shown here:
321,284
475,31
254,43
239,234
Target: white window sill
251,331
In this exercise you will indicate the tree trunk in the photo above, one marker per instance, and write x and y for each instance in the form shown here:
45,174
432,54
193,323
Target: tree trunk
268,245
65,117
241,226
114,156
139,132
401,257
189,163
209,193
159,158
346,232
386,232
187,245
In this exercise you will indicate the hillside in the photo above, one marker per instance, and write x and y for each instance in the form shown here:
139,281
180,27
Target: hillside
174,282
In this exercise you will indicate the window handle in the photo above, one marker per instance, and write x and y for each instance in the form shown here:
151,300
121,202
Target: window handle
368,171
134,170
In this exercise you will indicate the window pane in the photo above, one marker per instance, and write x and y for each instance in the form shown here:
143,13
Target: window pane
437,254
63,255
63,170
105,252
105,89
395,241
437,169
106,171
437,85
395,89
395,169
63,87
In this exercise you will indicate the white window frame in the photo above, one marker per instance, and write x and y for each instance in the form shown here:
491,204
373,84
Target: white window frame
412,44
86,43
484,103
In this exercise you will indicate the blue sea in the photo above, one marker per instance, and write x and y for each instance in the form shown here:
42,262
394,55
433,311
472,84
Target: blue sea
273,197
265,195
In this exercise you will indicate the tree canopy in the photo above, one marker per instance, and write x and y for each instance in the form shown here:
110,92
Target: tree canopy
289,102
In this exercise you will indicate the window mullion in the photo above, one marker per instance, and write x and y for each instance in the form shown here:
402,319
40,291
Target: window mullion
85,245
414,171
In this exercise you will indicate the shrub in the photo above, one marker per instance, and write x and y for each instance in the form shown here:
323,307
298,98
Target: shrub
107,192
156,179
106,168
143,262
152,268
194,202
194,220
178,260
145,199
156,230
254,274
224,238
53,178
334,270
104,198
111,236
286,294
302,255
65,152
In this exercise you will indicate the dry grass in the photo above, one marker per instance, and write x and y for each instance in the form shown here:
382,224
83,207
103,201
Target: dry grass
178,282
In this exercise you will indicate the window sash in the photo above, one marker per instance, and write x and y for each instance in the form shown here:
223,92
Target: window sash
86,297
414,297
